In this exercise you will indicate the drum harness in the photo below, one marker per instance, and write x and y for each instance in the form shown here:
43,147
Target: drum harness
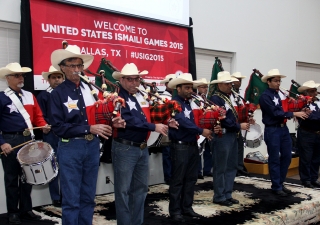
16,101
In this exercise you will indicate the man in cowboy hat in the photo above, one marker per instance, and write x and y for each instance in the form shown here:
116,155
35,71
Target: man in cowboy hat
130,155
225,148
184,152
237,102
308,138
15,104
276,133
202,89
72,118
54,77
166,160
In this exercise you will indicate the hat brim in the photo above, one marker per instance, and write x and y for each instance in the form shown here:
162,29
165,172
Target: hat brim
197,84
45,75
304,88
5,71
174,82
117,75
221,81
164,81
61,54
266,77
241,77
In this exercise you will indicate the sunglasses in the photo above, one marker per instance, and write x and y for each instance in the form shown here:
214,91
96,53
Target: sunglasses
17,75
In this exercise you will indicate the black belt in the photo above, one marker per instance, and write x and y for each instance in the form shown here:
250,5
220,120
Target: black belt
19,132
142,145
88,137
276,125
184,143
311,131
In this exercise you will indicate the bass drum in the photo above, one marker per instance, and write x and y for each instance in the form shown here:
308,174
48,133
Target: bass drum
253,138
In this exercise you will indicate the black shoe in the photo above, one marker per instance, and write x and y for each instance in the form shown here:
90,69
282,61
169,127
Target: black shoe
192,214
14,219
286,190
167,181
242,173
178,218
56,203
280,193
316,184
30,216
307,184
200,176
208,174
233,201
223,203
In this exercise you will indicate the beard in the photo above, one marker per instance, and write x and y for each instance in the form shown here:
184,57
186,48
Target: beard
20,85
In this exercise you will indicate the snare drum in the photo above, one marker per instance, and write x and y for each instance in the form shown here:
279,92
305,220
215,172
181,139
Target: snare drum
253,137
157,140
38,163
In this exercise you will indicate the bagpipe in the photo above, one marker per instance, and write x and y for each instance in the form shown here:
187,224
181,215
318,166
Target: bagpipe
292,104
210,113
244,110
107,104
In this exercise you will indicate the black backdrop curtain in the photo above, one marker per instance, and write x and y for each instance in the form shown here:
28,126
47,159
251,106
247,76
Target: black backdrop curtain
26,57
192,53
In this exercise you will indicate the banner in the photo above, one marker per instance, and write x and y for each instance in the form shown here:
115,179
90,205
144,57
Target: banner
156,47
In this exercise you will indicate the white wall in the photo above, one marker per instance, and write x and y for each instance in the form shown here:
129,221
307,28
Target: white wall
263,34
10,10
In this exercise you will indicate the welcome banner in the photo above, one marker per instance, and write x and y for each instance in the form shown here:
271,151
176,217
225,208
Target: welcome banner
157,47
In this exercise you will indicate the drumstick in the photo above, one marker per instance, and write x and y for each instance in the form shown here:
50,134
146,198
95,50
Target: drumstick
24,143
33,128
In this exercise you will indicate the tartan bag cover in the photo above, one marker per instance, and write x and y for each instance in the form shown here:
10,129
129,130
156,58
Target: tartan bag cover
161,113
244,111
104,111
296,105
210,117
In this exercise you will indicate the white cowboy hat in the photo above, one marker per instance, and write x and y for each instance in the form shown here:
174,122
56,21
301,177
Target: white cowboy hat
184,78
168,78
52,70
233,79
308,85
272,73
13,68
72,51
130,69
223,77
238,75
199,82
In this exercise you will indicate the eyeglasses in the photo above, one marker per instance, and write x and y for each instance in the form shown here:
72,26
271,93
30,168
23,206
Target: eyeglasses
72,66
130,79
18,75
202,86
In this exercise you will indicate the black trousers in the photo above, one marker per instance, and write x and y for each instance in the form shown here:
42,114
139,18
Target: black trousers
240,153
17,193
184,159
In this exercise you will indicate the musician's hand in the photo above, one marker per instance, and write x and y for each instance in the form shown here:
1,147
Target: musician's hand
217,129
251,120
162,129
301,115
118,122
173,123
207,133
307,110
245,126
102,130
6,149
46,129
